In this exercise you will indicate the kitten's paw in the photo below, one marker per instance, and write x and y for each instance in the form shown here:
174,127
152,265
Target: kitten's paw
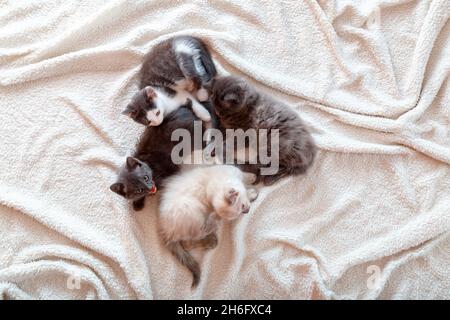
257,180
249,178
201,112
138,205
231,195
252,194
205,117
202,95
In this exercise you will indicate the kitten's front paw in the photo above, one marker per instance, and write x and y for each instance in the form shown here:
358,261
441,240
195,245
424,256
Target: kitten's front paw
257,180
202,95
206,117
252,194
249,178
138,205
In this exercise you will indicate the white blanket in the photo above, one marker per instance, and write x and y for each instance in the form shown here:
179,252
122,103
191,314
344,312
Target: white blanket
371,219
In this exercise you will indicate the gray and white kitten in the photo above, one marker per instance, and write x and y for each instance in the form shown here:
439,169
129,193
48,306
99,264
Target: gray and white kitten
172,73
238,105
151,105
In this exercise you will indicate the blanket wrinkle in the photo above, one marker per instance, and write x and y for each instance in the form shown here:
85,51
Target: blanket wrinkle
91,237
402,260
47,269
89,123
369,77
105,59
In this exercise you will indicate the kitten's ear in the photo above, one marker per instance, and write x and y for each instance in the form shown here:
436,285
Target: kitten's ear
133,163
150,92
129,111
118,188
231,195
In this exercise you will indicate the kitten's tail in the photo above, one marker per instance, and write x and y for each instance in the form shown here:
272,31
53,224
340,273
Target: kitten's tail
186,259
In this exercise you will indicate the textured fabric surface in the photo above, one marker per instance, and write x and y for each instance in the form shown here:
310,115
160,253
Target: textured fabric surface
371,219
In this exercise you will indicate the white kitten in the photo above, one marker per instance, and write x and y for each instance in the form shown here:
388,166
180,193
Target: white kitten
193,203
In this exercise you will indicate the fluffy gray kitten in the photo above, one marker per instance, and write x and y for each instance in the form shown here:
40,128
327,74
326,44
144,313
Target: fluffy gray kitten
239,106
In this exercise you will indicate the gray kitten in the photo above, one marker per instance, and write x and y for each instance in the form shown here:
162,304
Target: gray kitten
173,68
239,106
135,180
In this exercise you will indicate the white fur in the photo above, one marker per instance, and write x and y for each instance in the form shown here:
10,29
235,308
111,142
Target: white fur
189,48
190,197
183,46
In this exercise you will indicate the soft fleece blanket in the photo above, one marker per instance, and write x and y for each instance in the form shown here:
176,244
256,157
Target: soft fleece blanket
371,219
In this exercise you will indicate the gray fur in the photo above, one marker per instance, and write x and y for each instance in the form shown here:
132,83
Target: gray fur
186,259
238,105
163,66
135,181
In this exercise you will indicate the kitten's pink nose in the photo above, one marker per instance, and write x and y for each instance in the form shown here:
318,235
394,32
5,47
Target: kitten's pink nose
245,209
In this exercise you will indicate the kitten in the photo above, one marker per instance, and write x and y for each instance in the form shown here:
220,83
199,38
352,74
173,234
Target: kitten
192,204
136,180
151,162
150,105
172,69
182,61
238,105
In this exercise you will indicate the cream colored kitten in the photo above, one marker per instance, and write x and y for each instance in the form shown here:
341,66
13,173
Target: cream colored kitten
193,203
